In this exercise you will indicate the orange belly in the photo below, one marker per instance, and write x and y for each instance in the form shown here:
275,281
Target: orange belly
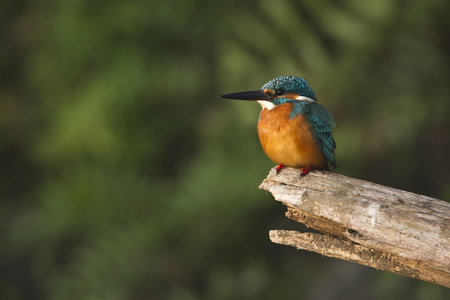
289,141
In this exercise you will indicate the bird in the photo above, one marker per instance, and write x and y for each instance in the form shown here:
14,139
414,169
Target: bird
293,128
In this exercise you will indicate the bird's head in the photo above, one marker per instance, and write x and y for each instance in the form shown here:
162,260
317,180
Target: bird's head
279,90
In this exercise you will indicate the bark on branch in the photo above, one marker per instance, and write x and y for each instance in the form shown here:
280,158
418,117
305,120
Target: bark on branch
366,223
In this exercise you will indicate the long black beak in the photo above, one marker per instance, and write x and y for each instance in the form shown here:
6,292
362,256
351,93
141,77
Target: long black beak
250,95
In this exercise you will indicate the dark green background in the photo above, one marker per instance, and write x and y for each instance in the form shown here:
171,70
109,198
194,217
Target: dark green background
123,176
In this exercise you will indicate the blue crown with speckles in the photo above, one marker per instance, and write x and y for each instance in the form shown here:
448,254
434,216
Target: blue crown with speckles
291,84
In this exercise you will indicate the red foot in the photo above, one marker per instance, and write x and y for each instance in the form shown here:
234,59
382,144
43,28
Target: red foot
279,167
305,171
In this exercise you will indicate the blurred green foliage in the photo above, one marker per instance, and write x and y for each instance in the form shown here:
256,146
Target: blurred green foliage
124,177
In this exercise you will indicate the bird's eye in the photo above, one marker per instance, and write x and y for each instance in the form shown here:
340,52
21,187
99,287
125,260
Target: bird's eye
279,92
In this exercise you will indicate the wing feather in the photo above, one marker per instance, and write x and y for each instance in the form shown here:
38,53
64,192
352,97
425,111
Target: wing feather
321,121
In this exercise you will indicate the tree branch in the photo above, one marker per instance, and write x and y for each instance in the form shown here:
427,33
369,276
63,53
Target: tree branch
366,223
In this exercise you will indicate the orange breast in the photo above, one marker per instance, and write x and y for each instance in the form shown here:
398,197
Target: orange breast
289,141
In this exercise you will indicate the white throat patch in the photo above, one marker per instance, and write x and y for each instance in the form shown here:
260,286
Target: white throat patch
269,105
266,104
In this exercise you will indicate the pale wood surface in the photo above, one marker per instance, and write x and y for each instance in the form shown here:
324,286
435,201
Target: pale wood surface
364,222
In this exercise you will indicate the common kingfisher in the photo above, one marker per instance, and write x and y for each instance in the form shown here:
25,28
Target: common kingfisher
294,130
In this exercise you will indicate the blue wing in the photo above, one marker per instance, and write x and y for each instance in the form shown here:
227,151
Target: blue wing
321,121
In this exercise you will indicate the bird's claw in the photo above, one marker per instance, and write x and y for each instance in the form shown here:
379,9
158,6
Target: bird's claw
279,167
305,171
